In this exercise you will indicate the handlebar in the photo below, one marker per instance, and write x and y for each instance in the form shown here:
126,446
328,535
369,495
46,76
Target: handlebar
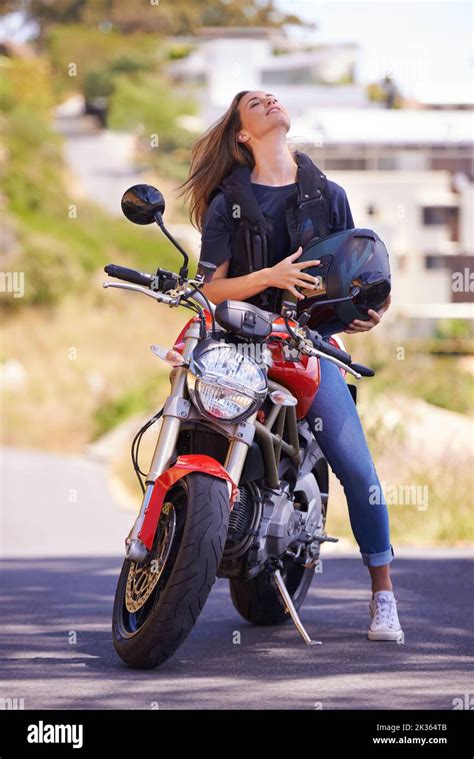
143,279
159,283
129,275
337,353
327,348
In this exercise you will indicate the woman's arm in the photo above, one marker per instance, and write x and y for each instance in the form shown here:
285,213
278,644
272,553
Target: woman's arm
285,275
216,248
234,288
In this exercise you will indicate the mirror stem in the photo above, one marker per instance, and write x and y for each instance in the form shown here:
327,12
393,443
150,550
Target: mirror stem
183,272
305,315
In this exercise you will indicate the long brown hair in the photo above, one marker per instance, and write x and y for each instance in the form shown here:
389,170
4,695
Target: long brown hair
213,156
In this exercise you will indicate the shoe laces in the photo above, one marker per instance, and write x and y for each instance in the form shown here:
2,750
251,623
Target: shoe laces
386,612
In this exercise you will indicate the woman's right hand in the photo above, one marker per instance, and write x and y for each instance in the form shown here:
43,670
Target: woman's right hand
287,275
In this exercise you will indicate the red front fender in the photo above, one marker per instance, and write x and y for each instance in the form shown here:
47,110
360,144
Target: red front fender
193,462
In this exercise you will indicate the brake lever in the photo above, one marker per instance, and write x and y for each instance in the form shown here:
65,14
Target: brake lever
159,296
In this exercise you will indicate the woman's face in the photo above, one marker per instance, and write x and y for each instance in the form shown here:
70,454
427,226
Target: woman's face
261,112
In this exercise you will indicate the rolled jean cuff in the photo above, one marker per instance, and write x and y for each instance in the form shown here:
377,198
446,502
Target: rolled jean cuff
378,559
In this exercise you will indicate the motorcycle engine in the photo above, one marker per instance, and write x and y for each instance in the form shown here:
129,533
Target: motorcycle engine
241,517
266,524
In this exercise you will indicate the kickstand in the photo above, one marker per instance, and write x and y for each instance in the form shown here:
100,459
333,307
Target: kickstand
292,611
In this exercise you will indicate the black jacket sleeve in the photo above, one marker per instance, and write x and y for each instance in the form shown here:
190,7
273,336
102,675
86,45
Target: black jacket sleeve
340,214
216,232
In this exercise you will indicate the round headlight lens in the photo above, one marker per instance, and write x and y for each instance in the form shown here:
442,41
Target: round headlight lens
222,402
226,384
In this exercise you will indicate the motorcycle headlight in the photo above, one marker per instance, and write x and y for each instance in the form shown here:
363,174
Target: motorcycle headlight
224,383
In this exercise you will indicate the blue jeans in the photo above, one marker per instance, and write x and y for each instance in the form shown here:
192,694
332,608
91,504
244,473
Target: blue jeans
341,438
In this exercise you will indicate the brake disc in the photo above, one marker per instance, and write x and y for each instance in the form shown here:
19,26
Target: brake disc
142,579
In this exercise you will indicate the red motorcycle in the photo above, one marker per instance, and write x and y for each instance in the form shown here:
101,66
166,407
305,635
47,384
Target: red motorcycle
237,486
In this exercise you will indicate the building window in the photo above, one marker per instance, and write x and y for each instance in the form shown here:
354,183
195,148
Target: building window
344,164
387,163
438,214
443,216
435,262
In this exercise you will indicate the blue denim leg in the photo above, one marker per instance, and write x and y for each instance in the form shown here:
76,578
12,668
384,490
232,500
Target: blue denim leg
340,436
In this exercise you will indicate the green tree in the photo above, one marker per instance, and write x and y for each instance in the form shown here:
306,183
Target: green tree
170,17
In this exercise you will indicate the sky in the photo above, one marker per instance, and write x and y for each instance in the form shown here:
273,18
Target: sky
427,46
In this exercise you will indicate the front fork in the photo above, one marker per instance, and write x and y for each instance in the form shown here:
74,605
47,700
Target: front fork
176,409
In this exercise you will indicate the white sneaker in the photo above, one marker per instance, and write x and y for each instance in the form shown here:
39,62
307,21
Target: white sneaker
385,624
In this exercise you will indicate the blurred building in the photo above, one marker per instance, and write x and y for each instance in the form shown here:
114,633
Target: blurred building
227,60
408,175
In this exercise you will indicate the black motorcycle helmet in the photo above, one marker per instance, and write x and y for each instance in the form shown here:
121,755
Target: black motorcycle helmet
354,263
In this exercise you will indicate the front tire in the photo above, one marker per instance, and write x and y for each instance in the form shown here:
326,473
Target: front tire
152,616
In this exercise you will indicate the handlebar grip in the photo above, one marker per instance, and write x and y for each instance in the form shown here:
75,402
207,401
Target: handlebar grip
365,371
331,350
129,275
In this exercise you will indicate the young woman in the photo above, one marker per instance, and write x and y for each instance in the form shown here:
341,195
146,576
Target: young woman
248,144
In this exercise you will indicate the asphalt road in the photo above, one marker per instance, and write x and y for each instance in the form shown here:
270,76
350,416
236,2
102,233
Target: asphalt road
60,566
46,601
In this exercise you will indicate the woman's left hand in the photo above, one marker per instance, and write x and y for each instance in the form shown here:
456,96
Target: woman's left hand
358,325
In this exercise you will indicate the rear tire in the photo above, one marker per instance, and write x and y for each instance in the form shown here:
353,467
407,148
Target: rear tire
259,600
149,636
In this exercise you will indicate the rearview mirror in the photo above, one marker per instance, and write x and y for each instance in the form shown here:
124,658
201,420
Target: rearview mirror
141,203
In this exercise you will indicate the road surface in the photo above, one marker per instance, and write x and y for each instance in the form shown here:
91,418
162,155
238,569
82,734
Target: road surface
61,562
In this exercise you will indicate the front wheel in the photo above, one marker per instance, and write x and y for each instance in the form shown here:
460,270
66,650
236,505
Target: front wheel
158,602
